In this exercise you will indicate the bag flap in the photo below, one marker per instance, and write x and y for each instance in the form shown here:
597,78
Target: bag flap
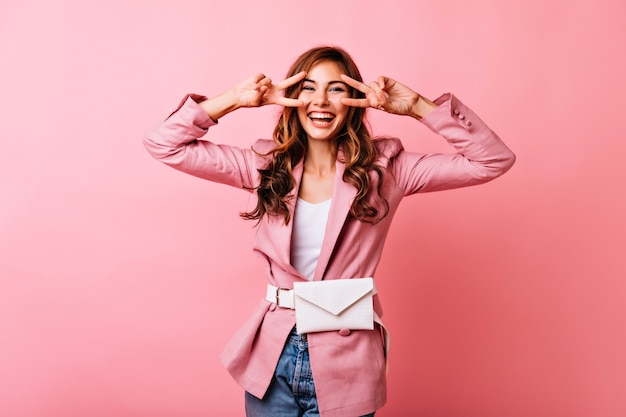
334,295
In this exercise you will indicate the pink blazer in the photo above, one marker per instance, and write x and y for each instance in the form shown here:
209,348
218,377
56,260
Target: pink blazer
349,370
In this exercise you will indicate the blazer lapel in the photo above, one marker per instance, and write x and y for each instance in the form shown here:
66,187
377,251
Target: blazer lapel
278,234
343,195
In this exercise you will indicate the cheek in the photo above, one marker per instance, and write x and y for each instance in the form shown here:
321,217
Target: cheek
304,97
340,108
301,115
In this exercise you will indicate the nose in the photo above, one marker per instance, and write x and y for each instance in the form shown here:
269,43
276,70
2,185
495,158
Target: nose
321,98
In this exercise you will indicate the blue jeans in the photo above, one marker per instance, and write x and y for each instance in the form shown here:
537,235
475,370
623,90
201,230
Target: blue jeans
292,391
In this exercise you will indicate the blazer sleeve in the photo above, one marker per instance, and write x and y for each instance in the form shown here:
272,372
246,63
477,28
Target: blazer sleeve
177,142
481,155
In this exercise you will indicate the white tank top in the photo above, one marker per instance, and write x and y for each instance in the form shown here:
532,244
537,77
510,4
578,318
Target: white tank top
309,224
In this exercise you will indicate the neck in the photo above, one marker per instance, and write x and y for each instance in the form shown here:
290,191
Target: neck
320,157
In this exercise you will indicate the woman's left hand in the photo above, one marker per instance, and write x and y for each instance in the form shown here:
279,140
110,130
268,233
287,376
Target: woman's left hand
386,94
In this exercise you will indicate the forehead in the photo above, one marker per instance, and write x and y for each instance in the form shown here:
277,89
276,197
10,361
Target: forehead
325,71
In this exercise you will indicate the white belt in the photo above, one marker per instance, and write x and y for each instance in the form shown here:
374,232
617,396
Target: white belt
281,296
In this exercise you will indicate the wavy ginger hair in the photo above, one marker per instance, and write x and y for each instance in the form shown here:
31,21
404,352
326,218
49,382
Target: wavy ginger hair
359,152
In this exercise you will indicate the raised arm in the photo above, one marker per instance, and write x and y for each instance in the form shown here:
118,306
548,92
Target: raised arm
179,140
481,155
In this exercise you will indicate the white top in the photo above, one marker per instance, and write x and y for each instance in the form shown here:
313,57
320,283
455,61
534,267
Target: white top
309,224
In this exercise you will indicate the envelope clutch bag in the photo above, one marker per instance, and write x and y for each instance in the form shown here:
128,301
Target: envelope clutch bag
334,305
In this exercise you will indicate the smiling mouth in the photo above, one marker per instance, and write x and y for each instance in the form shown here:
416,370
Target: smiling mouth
321,118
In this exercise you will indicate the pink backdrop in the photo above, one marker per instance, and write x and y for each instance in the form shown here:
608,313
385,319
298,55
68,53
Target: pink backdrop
113,266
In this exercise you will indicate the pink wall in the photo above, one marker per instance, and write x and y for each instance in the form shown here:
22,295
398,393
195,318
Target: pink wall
506,301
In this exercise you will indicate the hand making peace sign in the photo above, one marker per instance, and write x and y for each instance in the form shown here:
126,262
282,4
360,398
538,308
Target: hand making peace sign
386,94
258,90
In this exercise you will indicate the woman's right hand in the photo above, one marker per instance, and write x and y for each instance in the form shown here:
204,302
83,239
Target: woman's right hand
254,91
258,90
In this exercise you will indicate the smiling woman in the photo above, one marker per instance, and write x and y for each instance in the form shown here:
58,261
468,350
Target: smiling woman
323,169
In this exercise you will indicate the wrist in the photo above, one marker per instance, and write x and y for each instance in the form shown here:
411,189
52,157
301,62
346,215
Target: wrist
221,105
422,107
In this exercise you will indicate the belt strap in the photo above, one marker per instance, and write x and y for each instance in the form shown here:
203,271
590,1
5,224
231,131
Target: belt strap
281,296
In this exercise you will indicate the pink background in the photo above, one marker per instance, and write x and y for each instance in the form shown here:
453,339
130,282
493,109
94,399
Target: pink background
507,301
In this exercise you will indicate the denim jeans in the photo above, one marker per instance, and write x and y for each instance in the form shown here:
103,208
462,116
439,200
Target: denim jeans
292,391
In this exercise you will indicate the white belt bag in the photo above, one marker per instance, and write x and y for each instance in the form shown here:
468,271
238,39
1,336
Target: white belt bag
334,305
329,305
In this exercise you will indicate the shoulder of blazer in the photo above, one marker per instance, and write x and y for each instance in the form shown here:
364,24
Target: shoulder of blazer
262,151
263,146
388,148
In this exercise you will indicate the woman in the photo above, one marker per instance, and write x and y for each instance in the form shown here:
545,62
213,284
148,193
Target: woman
326,193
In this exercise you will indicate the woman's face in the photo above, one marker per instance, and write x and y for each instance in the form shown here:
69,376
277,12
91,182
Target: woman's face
322,116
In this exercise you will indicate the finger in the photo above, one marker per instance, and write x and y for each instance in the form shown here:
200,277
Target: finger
382,81
355,84
388,84
376,88
258,77
356,102
289,102
294,79
265,81
380,95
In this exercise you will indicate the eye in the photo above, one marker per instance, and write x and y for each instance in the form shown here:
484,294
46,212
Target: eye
307,88
337,89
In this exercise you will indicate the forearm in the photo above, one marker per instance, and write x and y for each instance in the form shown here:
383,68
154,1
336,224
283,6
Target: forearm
187,123
422,107
480,154
178,142
471,137
221,105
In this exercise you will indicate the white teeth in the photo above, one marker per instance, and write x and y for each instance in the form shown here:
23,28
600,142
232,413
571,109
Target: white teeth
321,115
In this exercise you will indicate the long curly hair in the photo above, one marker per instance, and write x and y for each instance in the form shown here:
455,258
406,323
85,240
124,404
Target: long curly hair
359,153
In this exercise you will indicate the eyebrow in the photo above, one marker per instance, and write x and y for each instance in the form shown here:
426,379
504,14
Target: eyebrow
331,82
